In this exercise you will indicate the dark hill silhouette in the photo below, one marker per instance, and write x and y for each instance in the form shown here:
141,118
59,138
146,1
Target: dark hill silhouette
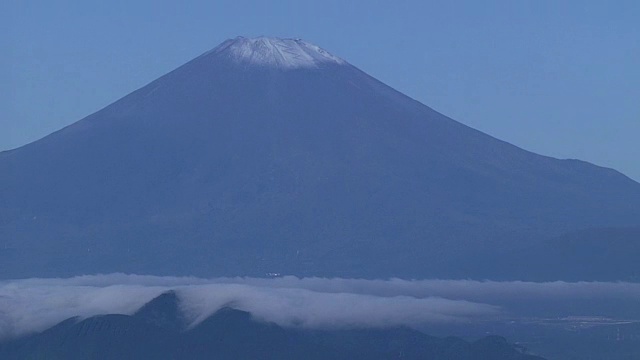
233,334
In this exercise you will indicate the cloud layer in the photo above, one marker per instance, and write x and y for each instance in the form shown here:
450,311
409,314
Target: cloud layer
36,304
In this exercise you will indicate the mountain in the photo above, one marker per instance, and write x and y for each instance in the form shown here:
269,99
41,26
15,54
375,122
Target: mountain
233,334
163,311
273,156
598,254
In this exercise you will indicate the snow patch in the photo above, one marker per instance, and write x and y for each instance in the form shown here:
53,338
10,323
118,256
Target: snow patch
275,52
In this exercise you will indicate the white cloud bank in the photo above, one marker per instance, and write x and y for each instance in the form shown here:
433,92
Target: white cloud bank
36,304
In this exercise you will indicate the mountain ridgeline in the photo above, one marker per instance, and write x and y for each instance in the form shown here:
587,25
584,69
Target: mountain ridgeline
158,332
273,156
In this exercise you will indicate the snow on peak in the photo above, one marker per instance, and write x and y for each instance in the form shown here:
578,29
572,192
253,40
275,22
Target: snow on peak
276,52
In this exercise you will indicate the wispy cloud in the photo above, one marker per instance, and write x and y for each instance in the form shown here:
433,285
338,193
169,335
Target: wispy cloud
35,304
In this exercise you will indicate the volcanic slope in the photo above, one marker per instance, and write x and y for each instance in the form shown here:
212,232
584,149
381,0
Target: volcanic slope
271,155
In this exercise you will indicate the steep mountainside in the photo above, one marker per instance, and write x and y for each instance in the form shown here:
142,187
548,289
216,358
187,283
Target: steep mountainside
274,156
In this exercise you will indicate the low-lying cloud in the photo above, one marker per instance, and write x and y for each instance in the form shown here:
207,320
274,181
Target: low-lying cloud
35,304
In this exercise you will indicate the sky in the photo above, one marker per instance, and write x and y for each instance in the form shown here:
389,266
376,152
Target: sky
559,78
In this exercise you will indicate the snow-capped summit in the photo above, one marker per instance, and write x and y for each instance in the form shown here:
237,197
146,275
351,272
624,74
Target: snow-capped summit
276,52
273,156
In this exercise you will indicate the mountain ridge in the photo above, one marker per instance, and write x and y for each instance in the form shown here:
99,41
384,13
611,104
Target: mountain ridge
234,334
220,168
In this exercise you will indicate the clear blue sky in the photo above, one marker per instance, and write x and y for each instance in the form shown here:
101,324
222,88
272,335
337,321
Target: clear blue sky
560,78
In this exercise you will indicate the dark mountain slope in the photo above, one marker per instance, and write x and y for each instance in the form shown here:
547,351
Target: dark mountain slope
598,254
100,337
233,334
247,161
163,311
